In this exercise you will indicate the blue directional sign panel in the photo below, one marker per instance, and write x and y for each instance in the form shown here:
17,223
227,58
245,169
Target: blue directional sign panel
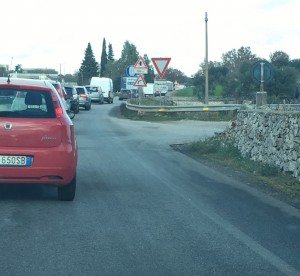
262,71
130,71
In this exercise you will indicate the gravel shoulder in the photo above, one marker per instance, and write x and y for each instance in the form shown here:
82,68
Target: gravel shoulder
244,177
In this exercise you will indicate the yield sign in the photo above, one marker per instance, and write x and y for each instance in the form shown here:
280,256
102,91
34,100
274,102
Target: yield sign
140,81
140,64
161,65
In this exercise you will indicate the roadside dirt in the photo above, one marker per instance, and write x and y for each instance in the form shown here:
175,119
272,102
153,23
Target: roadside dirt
245,177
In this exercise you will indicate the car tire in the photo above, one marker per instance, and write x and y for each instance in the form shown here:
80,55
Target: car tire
67,192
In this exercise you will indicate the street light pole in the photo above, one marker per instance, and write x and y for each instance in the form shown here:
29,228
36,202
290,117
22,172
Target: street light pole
206,61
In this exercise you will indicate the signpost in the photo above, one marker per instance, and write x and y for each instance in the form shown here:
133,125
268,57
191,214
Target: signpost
262,72
140,81
130,82
161,65
130,71
140,66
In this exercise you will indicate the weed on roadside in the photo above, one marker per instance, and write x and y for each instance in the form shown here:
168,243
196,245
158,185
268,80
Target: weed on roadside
177,116
276,182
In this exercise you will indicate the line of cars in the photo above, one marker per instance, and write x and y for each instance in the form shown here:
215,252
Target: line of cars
76,96
37,136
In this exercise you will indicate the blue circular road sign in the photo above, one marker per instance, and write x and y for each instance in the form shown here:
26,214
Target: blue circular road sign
262,70
130,71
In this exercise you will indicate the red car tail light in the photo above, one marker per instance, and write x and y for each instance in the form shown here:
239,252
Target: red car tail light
58,109
83,96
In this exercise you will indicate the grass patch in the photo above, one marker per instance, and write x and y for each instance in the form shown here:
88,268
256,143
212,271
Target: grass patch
276,182
185,92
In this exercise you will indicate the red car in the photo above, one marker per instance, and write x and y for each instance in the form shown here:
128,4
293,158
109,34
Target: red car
37,137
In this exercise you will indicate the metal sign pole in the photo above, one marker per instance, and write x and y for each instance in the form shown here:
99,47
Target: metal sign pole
206,61
262,77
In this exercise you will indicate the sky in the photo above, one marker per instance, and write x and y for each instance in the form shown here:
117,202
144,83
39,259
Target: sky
55,34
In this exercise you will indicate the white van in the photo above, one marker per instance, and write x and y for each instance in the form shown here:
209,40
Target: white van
106,85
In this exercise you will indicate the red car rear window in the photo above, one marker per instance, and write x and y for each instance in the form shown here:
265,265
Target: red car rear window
23,103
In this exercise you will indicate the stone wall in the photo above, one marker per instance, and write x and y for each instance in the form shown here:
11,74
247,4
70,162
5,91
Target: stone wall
269,136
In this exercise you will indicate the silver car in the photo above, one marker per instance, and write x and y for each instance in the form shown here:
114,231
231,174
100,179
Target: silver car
84,97
95,93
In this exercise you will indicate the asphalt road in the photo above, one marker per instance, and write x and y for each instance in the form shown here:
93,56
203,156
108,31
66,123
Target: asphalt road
142,208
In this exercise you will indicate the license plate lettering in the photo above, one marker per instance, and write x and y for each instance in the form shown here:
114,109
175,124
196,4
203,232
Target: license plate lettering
15,160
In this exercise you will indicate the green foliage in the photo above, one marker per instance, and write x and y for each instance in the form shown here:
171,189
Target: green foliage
18,68
89,67
283,83
40,71
230,156
110,55
129,54
149,78
232,78
68,78
279,59
104,59
173,75
185,92
218,90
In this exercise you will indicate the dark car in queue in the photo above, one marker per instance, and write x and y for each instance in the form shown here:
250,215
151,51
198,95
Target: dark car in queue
84,97
95,93
37,137
72,97
125,94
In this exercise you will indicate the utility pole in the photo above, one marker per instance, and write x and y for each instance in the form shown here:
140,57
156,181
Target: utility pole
206,61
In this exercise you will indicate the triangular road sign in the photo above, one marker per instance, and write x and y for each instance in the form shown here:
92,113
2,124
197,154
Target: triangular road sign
161,65
140,81
140,64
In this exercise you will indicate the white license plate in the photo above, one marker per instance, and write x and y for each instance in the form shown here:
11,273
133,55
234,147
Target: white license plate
15,160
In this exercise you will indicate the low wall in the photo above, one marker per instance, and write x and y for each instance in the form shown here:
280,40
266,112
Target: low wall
269,136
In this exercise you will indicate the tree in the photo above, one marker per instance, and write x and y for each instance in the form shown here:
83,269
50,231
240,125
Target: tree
3,71
18,68
173,75
129,54
68,78
89,67
110,56
149,77
103,58
234,58
198,82
41,71
282,84
295,63
280,59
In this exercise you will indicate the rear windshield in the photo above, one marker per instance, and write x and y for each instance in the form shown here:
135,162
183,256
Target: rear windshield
92,89
80,90
69,90
22,103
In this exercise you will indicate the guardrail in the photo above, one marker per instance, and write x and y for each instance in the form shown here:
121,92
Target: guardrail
184,108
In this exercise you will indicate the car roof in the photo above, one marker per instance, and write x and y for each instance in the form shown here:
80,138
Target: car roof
53,81
25,82
69,85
